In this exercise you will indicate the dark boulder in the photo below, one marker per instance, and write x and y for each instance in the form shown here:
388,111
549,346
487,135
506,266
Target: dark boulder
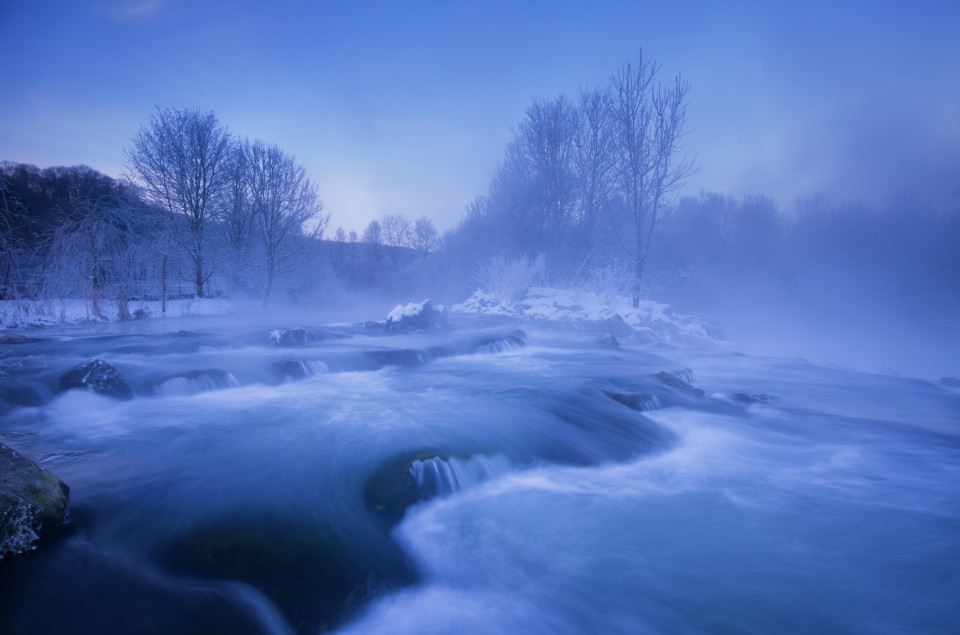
681,380
98,376
14,338
288,337
33,502
743,397
638,401
608,340
394,486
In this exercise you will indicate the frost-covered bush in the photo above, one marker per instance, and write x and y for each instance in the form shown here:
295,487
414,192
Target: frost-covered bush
507,280
610,282
16,529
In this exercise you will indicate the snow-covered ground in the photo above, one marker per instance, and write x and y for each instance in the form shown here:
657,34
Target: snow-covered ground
54,312
651,319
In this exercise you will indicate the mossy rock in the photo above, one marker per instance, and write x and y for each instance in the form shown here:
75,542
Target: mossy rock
33,502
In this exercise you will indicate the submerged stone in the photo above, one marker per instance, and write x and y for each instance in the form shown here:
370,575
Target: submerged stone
952,382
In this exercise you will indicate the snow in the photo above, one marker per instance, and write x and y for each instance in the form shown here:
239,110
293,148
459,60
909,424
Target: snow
36,313
651,319
410,310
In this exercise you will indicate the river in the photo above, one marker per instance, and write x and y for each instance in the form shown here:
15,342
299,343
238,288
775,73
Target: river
496,477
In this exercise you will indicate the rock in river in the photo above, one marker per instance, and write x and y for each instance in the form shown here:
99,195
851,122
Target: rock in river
32,502
98,376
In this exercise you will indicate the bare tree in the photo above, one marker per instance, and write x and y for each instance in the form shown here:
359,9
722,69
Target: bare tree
339,248
88,247
352,237
373,237
425,236
10,245
396,233
541,155
285,209
594,158
181,159
649,120
237,214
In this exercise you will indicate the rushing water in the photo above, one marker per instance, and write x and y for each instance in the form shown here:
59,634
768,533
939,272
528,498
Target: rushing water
481,480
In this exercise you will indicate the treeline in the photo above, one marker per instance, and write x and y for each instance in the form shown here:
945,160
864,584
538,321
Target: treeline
73,232
201,210
585,196
586,181
904,249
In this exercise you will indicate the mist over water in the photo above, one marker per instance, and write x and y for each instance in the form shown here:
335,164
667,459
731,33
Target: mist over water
485,480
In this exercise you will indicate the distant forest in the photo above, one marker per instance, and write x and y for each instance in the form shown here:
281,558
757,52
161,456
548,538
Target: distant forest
586,196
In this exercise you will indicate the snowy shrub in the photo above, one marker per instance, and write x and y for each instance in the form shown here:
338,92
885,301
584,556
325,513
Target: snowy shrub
508,280
16,529
609,283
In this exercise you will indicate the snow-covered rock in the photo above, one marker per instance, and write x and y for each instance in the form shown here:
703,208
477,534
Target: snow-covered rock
651,320
416,317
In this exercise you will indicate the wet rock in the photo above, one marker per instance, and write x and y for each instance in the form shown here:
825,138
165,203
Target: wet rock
374,325
33,502
393,487
617,327
951,382
608,340
98,376
681,380
307,571
292,370
399,357
416,318
14,338
743,397
15,393
194,382
288,337
639,401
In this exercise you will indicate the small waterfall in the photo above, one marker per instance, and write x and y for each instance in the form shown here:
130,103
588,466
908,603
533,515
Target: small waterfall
498,345
312,367
442,477
196,382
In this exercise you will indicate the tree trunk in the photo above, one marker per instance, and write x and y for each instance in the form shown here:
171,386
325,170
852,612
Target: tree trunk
199,277
95,280
163,284
269,286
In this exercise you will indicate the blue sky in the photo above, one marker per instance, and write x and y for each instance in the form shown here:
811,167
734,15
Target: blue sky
407,107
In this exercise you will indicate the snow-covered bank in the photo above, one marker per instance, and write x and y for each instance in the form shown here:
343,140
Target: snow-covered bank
651,320
56,312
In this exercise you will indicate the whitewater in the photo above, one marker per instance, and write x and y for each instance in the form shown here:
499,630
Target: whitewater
500,475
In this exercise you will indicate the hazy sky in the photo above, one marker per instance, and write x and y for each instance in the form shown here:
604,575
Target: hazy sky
406,107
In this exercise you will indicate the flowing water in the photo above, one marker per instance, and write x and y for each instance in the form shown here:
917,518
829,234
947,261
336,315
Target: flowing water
480,480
